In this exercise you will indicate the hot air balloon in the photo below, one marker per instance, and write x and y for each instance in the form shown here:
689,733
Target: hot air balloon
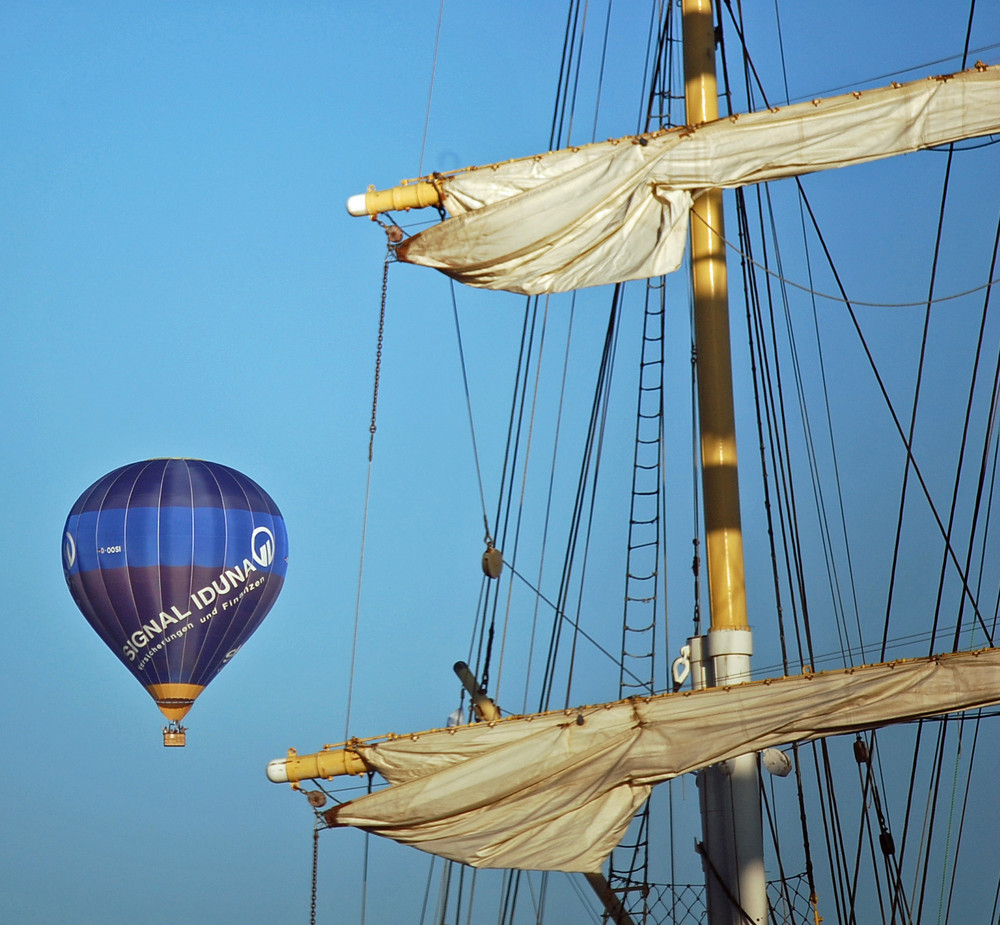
175,563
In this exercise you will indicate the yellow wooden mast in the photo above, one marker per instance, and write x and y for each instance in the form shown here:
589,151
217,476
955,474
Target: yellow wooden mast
723,533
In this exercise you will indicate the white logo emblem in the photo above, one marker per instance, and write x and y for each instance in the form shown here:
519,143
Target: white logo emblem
262,546
69,550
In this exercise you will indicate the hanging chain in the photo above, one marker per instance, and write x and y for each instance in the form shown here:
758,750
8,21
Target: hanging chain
378,354
312,905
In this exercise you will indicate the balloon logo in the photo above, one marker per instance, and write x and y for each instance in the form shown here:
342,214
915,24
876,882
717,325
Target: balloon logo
175,563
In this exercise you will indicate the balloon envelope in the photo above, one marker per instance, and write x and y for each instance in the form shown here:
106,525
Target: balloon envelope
175,562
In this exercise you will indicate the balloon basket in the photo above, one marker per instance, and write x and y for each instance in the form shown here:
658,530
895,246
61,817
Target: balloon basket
174,736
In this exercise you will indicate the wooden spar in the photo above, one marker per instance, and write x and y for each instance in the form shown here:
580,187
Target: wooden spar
609,899
485,708
416,195
730,798
318,766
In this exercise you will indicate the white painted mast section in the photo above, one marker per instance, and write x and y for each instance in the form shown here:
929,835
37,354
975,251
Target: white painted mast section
733,842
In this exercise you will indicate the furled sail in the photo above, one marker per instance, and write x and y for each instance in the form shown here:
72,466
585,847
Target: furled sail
618,210
556,791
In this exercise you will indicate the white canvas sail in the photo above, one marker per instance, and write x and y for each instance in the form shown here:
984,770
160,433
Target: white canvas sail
556,791
560,221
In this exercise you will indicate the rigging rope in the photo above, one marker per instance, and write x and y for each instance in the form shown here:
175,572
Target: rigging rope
978,506
506,495
913,425
524,475
575,624
468,405
833,825
966,572
899,428
550,493
586,479
768,409
931,811
430,88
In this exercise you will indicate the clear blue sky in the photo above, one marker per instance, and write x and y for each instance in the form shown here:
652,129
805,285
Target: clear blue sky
178,277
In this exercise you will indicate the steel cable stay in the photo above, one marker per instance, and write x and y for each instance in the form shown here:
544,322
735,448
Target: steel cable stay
784,895
853,889
490,596
973,529
984,474
763,377
931,811
909,439
990,452
480,630
586,481
767,378
768,397
925,489
512,463
524,471
979,715
835,596
774,416
827,539
597,448
932,508
468,406
976,719
967,569
549,496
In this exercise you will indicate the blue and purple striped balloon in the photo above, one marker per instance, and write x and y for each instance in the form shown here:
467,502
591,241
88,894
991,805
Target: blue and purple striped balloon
175,563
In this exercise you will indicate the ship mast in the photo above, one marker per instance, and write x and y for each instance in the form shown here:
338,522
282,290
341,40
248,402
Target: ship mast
729,792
